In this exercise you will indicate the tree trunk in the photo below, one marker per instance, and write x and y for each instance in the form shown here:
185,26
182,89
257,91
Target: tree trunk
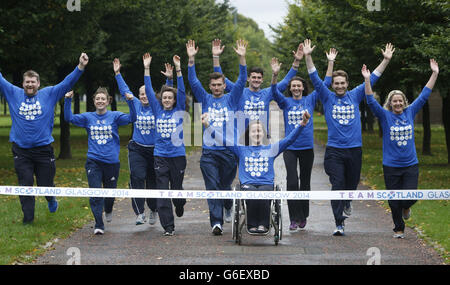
76,103
362,108
112,92
426,147
446,121
88,82
64,140
370,118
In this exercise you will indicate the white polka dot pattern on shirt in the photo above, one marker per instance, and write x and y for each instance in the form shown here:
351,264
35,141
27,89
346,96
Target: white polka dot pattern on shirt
254,109
101,133
165,127
343,114
401,134
30,110
145,124
256,166
217,117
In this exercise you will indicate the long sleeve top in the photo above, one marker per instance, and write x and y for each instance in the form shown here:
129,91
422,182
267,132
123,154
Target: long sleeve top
220,110
399,149
169,123
33,116
102,130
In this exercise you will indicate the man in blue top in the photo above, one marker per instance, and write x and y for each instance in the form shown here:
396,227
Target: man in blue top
343,154
218,164
32,115
255,101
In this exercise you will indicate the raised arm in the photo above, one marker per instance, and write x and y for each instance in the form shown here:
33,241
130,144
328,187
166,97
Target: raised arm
373,104
426,91
191,52
77,120
387,56
238,87
64,86
181,91
287,141
216,50
123,87
154,103
125,119
276,94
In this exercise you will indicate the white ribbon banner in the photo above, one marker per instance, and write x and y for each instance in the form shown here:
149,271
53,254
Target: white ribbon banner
436,194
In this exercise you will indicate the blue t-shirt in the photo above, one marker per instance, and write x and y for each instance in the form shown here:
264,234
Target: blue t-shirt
293,111
169,123
256,162
341,112
255,105
220,110
102,130
399,148
33,116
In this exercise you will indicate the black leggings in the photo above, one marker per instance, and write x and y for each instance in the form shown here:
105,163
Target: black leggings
298,209
398,178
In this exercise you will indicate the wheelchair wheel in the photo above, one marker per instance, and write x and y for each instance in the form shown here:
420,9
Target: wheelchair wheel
236,220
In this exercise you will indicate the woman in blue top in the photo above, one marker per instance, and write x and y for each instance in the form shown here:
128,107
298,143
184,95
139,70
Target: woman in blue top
400,163
301,152
141,146
102,164
169,154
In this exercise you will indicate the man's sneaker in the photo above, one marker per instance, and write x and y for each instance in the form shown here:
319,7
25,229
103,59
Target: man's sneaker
140,219
348,210
152,217
294,226
406,213
217,230
98,232
108,217
179,211
399,235
302,224
169,233
227,218
52,205
339,231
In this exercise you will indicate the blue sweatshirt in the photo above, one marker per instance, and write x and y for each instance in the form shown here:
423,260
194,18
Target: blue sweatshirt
255,105
293,110
342,112
220,109
169,123
256,162
399,148
102,130
33,117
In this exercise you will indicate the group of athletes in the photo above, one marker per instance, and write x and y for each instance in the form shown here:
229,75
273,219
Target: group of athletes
236,125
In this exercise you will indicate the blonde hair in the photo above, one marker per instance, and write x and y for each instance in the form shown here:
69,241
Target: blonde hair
387,103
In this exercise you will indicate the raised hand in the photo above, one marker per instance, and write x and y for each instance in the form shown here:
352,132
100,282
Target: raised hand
146,59
69,94
84,60
365,72
176,62
434,66
388,51
305,118
129,96
169,70
191,49
205,120
275,66
307,49
331,56
241,47
116,66
216,47
298,55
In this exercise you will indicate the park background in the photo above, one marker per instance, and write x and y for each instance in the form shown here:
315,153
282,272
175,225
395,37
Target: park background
48,36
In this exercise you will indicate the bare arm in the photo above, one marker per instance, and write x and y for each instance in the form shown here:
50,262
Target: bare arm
435,69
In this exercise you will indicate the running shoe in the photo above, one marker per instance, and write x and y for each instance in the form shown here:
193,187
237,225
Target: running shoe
152,217
52,205
294,226
217,230
140,219
399,235
108,217
227,218
98,232
169,233
406,213
302,224
348,210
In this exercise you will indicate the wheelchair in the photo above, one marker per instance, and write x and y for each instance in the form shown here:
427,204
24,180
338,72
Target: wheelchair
239,222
